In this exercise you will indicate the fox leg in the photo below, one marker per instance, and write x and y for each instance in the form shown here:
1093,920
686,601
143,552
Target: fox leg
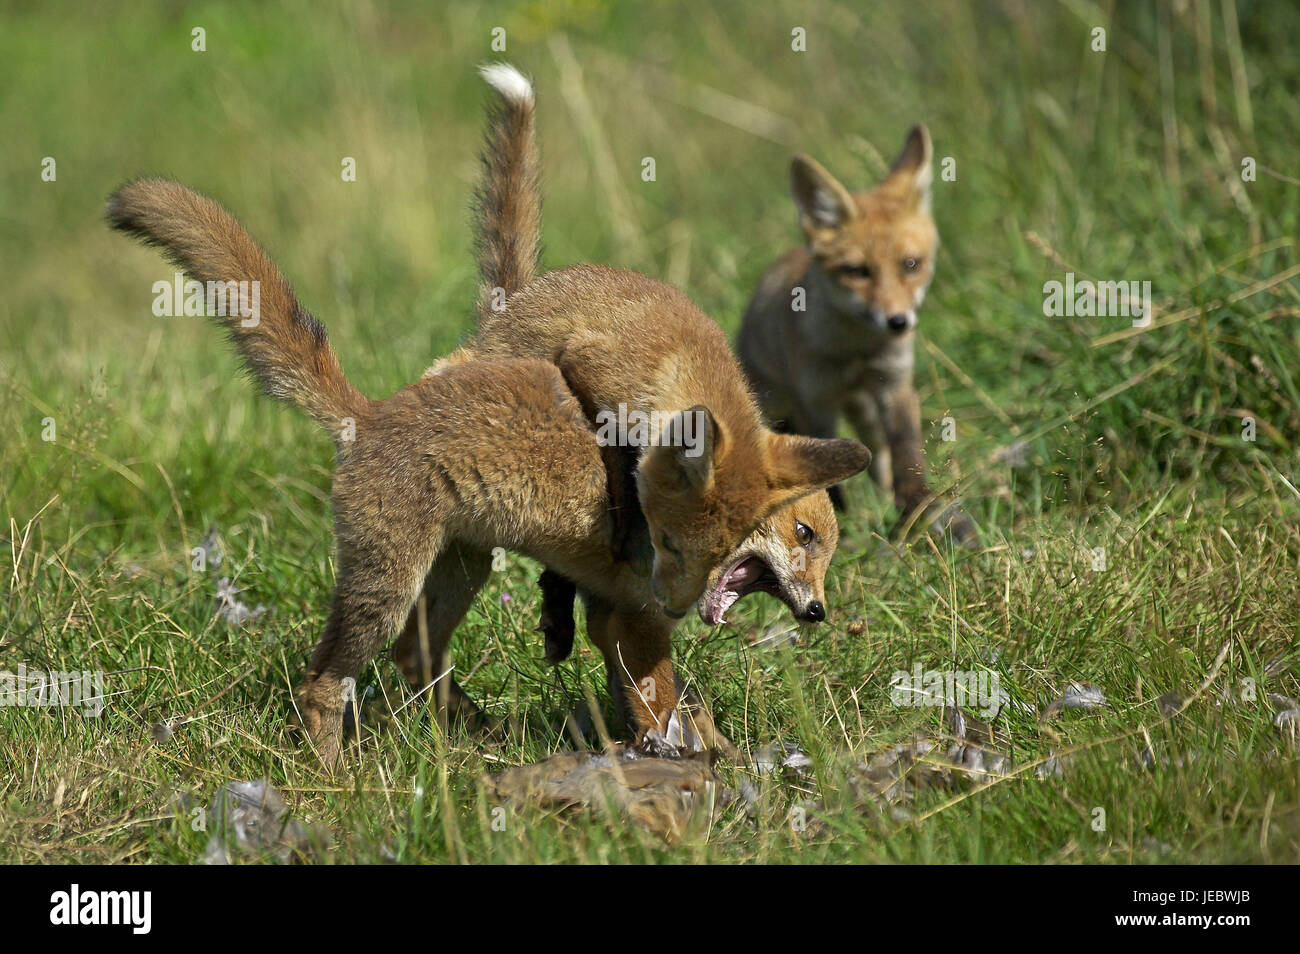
449,590
864,416
638,666
377,583
901,413
637,647
902,420
558,595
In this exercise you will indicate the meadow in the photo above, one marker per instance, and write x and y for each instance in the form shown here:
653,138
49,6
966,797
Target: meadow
1135,486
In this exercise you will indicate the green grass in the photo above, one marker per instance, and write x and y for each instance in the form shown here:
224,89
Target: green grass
1117,165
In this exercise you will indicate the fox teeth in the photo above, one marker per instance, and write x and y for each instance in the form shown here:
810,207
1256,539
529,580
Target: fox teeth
728,598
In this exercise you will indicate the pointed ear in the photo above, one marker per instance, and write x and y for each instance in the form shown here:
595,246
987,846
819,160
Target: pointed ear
911,174
684,455
822,202
801,465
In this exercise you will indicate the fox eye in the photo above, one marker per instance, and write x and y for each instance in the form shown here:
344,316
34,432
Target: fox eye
911,264
855,271
803,533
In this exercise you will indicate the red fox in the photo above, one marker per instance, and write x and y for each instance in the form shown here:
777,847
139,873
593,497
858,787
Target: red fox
831,328
789,553
485,453
629,345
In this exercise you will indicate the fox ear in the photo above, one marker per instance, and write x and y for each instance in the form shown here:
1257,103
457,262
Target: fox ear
911,174
802,465
684,454
822,202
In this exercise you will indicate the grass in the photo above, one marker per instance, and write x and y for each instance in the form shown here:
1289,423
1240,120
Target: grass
1123,164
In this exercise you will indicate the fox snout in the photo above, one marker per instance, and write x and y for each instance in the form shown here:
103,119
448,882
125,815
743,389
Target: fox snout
902,321
896,321
799,596
814,613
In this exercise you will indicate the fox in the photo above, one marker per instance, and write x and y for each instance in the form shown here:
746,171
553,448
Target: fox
484,453
626,342
789,553
831,329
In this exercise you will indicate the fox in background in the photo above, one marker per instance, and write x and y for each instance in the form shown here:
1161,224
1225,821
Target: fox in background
849,350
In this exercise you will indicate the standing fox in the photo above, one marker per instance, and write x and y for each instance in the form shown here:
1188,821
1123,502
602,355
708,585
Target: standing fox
831,328
786,556
487,453
629,345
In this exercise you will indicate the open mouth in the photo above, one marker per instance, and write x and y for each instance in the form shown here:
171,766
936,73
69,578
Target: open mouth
747,575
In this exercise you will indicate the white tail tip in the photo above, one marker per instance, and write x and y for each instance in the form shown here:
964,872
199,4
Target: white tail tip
508,81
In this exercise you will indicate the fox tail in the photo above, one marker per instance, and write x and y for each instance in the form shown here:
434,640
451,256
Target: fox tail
508,219
281,344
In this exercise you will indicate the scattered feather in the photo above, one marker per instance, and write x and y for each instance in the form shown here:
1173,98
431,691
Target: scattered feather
785,757
778,634
230,608
211,547
1077,695
1014,455
1056,766
162,731
249,820
1287,718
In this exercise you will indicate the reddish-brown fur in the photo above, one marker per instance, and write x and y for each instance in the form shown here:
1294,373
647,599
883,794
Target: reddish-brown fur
862,276
622,338
787,555
486,453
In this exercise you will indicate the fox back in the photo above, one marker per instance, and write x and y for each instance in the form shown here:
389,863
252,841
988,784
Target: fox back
627,343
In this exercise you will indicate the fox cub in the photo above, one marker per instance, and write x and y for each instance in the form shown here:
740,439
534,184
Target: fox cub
786,556
629,345
830,330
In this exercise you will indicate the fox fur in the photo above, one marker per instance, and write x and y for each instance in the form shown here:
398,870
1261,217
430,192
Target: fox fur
621,338
830,331
486,453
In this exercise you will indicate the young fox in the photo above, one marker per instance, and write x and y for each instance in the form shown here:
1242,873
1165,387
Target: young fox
788,554
831,328
485,453
627,343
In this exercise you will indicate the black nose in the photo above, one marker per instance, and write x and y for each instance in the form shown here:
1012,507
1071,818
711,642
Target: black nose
815,612
897,322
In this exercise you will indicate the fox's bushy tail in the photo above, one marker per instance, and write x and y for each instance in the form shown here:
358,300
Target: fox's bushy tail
282,345
508,219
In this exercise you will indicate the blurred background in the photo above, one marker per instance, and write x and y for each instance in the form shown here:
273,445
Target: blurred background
1122,164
